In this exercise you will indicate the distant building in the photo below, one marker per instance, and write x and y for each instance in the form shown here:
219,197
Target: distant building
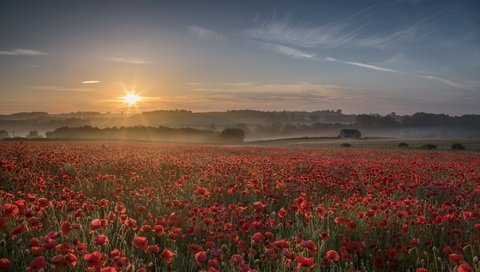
350,133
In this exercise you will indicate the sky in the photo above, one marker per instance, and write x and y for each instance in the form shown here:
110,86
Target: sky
367,56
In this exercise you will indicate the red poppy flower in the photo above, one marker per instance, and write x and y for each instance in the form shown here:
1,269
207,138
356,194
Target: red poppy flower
281,243
464,267
140,242
282,212
10,210
310,245
100,240
153,249
305,262
37,264
4,263
201,257
168,255
332,255
158,229
71,260
95,224
65,228
19,229
257,238
324,236
95,259
455,258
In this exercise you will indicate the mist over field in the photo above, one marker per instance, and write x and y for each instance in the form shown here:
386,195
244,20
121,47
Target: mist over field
257,125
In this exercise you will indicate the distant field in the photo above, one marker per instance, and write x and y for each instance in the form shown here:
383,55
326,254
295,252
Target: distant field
370,143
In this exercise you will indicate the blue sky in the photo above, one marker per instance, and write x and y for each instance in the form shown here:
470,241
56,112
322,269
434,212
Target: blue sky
359,56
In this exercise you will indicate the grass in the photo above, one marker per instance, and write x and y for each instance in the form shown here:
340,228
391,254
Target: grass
370,143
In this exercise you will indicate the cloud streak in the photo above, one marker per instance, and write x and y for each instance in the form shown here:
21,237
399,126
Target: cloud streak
453,84
287,50
90,81
205,33
61,89
127,60
365,65
23,52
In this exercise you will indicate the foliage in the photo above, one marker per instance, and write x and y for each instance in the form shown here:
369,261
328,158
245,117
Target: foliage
458,146
4,134
402,145
429,146
233,135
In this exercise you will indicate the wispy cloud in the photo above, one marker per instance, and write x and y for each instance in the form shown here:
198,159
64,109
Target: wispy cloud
61,89
205,33
332,34
265,91
453,84
23,52
242,83
127,60
90,81
287,50
351,31
365,65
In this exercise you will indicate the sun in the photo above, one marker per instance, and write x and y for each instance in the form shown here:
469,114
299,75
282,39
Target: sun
131,99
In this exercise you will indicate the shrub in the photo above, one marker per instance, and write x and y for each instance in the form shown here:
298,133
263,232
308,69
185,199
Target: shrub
402,145
458,146
346,145
232,135
429,146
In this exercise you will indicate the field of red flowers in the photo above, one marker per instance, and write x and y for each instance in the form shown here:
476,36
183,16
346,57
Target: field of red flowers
148,207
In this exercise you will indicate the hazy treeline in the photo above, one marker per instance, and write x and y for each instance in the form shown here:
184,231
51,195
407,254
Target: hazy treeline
419,119
148,134
256,124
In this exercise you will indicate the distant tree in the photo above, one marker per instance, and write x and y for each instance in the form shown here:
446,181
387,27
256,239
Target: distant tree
366,120
233,135
429,146
4,134
387,122
33,134
403,145
458,146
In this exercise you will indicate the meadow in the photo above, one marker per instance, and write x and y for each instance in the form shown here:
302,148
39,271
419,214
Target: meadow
99,206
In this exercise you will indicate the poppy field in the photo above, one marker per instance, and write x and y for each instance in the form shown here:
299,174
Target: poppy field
85,206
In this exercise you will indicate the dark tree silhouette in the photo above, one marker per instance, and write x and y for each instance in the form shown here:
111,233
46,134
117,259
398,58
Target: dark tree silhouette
232,135
4,134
